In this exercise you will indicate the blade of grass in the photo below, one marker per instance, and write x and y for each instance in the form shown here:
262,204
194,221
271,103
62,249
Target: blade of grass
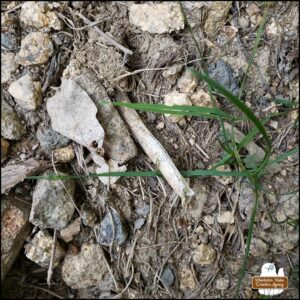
188,173
247,112
283,156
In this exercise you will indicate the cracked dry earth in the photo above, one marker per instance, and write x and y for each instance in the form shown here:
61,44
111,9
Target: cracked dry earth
135,237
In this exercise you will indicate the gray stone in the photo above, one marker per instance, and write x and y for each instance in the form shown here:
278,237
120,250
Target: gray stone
73,114
223,74
52,203
107,230
143,211
86,268
49,139
39,249
139,223
258,247
8,41
27,93
117,142
36,48
11,126
167,277
288,207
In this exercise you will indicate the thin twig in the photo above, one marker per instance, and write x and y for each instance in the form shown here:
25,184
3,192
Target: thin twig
112,41
127,285
13,9
41,289
50,269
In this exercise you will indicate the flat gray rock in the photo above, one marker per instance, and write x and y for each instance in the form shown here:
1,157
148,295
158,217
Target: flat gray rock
73,114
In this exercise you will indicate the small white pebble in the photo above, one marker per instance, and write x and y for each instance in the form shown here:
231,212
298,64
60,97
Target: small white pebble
160,126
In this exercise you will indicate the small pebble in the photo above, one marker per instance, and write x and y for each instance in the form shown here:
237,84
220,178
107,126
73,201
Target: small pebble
160,126
204,255
167,277
4,149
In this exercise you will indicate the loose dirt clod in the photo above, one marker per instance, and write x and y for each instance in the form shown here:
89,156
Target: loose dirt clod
204,255
73,229
4,149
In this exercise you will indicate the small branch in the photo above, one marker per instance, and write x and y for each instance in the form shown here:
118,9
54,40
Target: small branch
154,150
109,39
50,269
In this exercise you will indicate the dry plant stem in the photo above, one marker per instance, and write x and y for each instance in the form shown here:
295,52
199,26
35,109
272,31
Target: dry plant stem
154,150
50,269
109,39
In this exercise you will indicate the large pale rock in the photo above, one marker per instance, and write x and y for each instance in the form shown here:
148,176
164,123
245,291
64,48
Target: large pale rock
36,48
86,268
38,14
52,203
15,228
39,249
73,114
27,93
157,18
117,142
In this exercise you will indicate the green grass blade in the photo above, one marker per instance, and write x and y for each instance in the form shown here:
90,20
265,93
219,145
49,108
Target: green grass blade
247,112
283,156
190,173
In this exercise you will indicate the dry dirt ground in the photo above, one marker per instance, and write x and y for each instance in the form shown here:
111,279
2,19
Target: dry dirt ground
173,232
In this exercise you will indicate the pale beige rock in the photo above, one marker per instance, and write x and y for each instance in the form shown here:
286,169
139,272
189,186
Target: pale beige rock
86,268
157,18
36,48
187,82
176,98
64,154
186,279
38,14
73,229
27,93
252,9
8,66
201,98
225,217
14,230
204,255
160,126
40,248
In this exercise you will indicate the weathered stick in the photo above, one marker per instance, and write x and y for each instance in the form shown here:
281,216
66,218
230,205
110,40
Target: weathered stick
13,174
113,42
154,150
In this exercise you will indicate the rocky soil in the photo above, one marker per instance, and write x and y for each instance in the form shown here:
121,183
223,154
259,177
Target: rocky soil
63,64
